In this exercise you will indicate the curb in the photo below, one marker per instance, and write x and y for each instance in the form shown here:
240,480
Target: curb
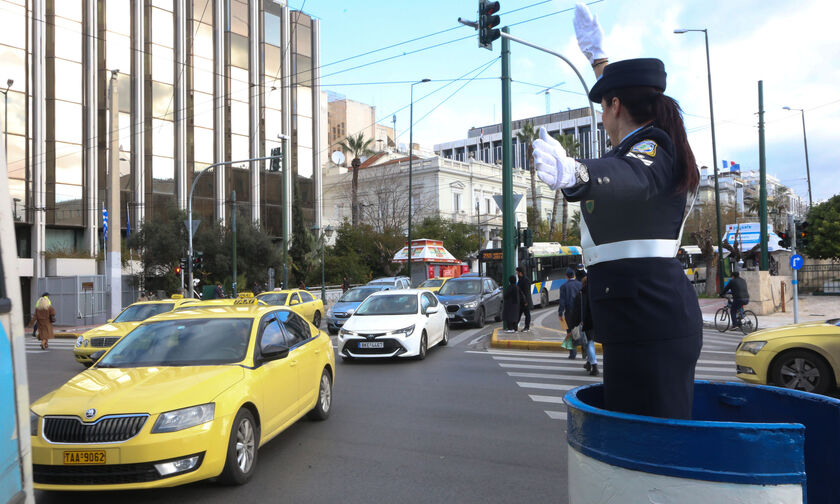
495,342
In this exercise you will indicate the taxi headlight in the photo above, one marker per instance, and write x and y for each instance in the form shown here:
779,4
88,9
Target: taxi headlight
184,418
752,347
79,341
33,423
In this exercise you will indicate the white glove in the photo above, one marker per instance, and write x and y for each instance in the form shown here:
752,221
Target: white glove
590,36
553,166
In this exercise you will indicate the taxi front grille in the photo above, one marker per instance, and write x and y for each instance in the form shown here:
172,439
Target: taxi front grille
71,430
103,342
107,474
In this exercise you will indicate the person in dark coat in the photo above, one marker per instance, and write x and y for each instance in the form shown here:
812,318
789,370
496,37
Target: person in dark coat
510,305
740,295
579,314
633,200
525,301
568,291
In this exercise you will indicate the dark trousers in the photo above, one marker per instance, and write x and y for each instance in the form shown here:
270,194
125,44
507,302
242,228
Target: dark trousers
653,378
737,304
524,308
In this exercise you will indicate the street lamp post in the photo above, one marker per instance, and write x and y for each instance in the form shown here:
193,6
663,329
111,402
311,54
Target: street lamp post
807,166
410,166
714,154
327,232
6,118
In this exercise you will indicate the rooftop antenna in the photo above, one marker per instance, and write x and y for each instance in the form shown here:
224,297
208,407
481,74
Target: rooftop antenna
547,92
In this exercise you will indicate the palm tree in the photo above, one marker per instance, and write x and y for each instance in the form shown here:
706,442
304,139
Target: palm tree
572,146
358,147
527,134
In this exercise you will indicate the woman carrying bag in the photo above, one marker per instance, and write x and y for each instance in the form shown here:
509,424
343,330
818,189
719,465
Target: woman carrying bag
43,319
579,317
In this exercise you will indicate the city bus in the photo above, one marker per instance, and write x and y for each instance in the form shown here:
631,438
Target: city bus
692,263
545,264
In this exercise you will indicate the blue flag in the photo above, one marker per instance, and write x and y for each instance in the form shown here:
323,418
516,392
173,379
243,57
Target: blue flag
104,223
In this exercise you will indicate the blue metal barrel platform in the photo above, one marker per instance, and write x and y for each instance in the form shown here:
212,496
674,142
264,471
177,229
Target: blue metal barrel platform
746,444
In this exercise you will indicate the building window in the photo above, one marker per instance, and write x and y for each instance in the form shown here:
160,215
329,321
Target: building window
456,202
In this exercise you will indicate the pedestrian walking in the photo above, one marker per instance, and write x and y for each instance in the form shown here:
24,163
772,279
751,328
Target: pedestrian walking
345,284
301,285
579,316
43,319
633,199
142,297
567,292
510,305
525,301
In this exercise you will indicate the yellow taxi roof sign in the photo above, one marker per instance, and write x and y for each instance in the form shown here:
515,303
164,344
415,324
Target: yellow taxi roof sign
177,296
246,294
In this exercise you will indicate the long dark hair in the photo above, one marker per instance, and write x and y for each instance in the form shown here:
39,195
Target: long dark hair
645,104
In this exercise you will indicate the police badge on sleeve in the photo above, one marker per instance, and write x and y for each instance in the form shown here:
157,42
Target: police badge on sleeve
648,148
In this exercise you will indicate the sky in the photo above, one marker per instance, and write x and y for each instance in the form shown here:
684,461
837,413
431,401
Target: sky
792,47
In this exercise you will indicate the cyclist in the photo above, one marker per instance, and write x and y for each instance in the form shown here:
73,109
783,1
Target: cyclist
740,296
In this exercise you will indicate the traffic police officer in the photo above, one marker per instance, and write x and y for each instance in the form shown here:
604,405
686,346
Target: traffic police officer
632,202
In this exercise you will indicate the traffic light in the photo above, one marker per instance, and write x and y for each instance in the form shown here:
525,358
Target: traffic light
178,271
804,235
785,240
277,154
487,23
198,261
528,237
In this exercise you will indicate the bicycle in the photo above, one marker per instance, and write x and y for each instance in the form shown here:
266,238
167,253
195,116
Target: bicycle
748,320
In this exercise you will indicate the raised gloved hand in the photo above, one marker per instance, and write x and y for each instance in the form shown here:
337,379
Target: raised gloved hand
590,36
553,166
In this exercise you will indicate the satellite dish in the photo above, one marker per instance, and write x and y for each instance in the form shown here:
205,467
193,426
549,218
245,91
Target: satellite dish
337,157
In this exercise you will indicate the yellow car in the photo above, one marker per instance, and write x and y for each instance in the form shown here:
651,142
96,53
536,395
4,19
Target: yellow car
185,396
299,300
104,336
433,284
801,356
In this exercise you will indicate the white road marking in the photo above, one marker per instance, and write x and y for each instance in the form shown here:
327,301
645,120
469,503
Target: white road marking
548,399
546,386
464,335
556,415
473,342
547,376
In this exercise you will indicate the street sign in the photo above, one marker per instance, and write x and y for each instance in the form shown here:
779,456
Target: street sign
796,261
195,224
499,203
87,286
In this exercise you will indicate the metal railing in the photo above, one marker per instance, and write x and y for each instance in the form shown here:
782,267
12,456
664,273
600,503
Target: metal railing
823,278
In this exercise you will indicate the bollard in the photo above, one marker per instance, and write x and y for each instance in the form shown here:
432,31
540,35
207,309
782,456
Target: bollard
747,444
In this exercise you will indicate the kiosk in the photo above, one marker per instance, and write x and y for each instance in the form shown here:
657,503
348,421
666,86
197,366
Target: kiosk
429,259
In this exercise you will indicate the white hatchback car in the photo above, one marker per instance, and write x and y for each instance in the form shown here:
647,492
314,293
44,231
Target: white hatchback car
394,323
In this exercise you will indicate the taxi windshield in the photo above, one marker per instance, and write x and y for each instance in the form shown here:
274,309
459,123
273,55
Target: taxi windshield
394,304
275,298
357,295
185,342
461,287
140,312
432,283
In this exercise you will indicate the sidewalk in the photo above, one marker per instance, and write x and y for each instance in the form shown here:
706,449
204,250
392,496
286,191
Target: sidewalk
811,309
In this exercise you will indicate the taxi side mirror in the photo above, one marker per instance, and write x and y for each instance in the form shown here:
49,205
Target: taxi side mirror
109,320
293,302
273,351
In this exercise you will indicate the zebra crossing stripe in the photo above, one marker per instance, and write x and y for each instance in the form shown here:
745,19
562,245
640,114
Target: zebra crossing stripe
546,399
546,386
556,415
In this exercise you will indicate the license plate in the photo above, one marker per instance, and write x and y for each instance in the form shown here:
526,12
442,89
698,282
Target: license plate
451,315
84,457
371,344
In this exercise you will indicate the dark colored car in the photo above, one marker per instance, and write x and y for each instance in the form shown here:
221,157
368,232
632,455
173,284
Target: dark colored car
342,309
472,300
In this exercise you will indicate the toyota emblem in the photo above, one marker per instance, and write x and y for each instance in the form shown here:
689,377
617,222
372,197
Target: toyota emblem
90,413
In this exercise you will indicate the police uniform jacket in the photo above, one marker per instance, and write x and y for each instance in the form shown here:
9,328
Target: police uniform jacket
630,228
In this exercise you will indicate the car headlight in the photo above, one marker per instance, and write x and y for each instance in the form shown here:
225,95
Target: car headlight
350,311
329,312
79,341
471,304
343,333
752,347
33,423
184,418
404,332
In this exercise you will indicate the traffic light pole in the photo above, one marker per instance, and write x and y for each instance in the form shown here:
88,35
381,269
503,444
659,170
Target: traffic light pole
764,263
508,217
795,282
190,219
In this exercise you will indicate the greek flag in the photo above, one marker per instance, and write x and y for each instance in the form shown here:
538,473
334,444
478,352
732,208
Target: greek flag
104,223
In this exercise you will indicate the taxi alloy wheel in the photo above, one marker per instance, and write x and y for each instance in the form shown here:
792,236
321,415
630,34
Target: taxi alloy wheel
316,320
321,411
242,450
802,370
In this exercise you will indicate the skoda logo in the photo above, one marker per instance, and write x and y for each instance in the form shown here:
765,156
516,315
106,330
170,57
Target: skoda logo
90,413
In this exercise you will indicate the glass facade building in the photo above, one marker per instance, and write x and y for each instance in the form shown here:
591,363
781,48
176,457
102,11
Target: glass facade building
199,82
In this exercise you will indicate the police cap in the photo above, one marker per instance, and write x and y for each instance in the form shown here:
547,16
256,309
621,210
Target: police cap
629,73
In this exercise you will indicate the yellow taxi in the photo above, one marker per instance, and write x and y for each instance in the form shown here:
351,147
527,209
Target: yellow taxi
104,336
433,284
244,298
800,356
299,300
185,396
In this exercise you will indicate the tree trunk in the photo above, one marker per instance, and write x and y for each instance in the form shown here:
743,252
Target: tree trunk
711,276
554,212
564,235
354,198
